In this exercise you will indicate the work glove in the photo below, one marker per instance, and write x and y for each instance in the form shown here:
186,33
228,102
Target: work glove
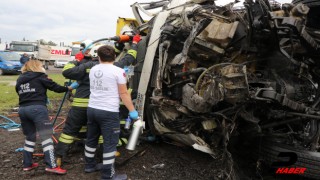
119,46
70,96
136,38
74,85
134,114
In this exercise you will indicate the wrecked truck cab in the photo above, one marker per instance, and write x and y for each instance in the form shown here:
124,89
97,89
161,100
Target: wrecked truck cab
205,70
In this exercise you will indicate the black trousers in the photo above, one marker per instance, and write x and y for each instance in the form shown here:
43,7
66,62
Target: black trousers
34,118
77,118
108,124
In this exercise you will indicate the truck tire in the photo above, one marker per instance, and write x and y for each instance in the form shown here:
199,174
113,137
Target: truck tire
310,160
46,65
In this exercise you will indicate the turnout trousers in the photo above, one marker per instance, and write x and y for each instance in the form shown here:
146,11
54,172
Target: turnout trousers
76,120
35,118
108,124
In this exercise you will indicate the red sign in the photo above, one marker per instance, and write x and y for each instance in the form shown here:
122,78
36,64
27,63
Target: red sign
292,170
60,52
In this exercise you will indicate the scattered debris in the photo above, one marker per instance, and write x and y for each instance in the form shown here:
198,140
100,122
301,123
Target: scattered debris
158,166
6,160
137,153
19,150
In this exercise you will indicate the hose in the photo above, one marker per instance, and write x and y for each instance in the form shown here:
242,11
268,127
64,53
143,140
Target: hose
10,125
62,101
87,47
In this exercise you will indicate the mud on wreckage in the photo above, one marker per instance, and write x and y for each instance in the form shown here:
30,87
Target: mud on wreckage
213,72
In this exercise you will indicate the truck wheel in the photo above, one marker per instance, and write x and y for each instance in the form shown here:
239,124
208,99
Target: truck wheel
46,65
269,152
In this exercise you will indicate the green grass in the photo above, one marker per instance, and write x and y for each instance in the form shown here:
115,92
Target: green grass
9,98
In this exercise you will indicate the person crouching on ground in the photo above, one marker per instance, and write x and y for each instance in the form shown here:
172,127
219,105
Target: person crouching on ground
107,86
32,87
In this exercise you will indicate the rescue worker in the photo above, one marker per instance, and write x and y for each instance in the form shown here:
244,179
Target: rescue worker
127,60
107,86
77,117
79,56
32,87
130,57
76,122
24,58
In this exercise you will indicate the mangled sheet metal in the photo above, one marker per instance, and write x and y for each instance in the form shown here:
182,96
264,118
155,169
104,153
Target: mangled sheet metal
215,67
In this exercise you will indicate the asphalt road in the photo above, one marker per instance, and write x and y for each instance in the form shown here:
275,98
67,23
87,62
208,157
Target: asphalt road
53,70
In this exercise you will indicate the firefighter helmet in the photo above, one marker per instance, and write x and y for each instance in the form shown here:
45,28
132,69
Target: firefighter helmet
86,43
94,50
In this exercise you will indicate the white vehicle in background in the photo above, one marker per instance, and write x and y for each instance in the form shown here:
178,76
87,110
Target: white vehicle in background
60,56
3,47
33,49
45,53
22,47
57,55
60,63
60,53
75,49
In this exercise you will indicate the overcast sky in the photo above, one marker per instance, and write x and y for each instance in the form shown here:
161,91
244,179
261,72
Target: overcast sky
63,20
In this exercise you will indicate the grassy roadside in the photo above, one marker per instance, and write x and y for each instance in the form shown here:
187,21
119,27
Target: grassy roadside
9,98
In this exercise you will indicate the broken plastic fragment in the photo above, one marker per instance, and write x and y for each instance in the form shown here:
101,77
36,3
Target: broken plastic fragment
158,166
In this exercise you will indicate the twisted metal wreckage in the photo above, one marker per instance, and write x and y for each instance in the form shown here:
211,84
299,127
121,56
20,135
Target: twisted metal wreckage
209,73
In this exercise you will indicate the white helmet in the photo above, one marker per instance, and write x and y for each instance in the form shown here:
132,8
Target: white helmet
94,50
86,43
127,30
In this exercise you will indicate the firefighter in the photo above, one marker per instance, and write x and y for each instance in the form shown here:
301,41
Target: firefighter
128,60
32,87
107,86
77,117
75,126
130,57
